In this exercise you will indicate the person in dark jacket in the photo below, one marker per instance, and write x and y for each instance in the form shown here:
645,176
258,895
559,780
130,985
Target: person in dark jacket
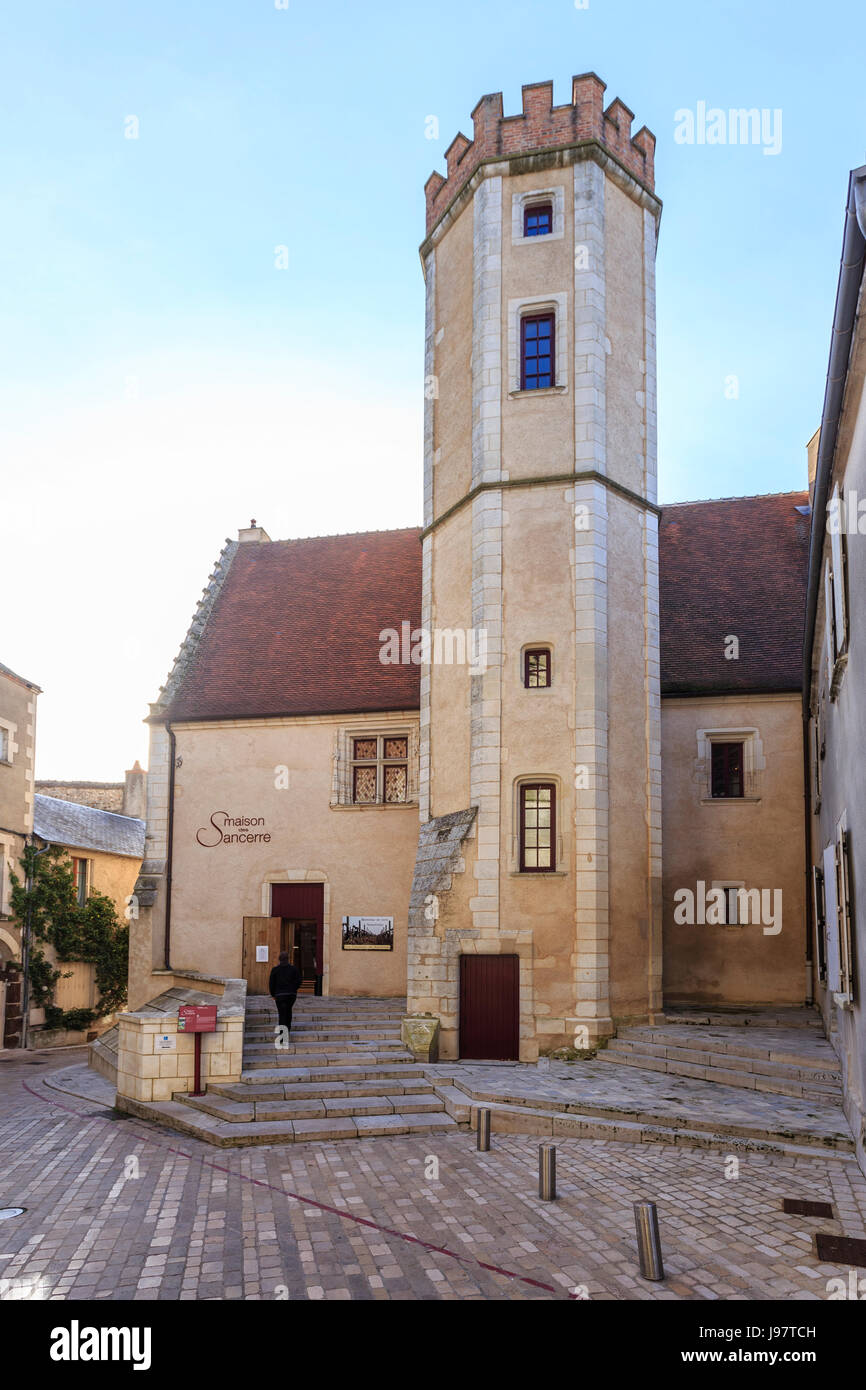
284,983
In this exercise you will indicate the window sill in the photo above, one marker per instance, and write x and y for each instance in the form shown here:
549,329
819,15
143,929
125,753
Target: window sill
538,873
545,236
372,805
539,391
730,800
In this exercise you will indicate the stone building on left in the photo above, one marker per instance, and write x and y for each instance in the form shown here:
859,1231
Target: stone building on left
105,847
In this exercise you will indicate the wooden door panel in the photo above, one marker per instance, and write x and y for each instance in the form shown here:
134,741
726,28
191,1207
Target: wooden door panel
260,931
490,1007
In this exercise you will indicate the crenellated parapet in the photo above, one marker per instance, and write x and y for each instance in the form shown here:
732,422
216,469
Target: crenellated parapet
542,126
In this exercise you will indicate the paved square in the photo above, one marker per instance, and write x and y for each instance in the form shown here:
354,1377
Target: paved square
121,1209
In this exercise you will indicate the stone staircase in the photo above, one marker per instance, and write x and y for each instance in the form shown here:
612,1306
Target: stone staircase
344,1075
783,1052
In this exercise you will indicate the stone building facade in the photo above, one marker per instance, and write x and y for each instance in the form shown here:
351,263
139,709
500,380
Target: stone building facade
834,683
18,699
589,702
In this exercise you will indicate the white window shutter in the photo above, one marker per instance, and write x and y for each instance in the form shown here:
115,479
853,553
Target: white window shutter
840,617
831,917
846,972
816,754
829,620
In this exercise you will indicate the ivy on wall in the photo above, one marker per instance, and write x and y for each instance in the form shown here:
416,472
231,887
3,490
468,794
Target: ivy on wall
89,932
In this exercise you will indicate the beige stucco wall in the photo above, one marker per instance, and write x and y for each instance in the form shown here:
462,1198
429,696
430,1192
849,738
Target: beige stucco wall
363,855
759,841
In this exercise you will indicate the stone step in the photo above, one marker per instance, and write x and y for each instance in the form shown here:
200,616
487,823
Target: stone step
303,1028
758,1018
230,1134
371,1071
278,1058
830,1133
751,1081
250,1091
313,1107
331,1048
731,1061
817,1055
523,1119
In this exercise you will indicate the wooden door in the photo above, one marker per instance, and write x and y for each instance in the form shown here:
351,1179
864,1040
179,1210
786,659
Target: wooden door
260,932
490,1007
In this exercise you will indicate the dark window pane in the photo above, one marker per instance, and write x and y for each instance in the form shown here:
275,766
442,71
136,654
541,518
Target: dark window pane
536,352
727,769
538,220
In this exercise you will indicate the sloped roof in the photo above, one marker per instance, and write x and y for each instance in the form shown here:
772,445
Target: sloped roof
295,630
31,685
83,827
733,567
295,627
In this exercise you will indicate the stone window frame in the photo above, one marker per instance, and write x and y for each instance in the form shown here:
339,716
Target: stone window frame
88,877
304,876
555,195
725,884
6,862
754,764
342,762
10,731
528,307
561,856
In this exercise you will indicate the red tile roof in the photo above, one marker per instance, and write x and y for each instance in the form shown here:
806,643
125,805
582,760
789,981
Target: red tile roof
733,567
295,629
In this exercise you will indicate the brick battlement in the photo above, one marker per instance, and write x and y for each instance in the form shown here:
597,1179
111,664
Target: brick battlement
542,126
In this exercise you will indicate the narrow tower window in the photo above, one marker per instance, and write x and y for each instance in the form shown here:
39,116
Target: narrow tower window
536,352
536,668
538,219
538,828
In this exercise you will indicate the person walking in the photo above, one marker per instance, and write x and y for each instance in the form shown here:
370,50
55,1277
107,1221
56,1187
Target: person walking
284,983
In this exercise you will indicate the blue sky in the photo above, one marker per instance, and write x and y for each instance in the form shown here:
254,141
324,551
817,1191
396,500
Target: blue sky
161,381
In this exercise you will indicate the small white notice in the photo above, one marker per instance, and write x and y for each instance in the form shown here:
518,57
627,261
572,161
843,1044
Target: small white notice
166,1042
262,955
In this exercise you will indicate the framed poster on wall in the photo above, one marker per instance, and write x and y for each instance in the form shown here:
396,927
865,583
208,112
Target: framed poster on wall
368,933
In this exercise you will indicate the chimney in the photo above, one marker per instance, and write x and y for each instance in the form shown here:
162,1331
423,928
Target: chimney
135,792
812,461
253,532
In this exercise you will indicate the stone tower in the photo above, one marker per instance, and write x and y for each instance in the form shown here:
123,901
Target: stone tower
541,802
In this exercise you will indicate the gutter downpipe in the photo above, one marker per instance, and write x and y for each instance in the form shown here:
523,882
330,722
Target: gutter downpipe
172,753
844,315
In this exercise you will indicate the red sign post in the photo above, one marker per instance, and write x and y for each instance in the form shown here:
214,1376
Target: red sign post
197,1019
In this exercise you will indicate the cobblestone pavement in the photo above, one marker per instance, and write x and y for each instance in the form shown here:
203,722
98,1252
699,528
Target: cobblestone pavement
121,1209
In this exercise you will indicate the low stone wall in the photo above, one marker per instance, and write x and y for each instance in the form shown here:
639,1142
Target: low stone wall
147,1071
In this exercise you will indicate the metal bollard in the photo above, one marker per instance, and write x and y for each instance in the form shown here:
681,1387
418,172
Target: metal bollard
547,1172
483,1130
649,1246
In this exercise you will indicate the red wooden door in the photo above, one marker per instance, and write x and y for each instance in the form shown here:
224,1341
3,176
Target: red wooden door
490,1007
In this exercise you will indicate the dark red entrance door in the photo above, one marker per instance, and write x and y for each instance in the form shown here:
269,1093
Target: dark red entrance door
490,1007
303,906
